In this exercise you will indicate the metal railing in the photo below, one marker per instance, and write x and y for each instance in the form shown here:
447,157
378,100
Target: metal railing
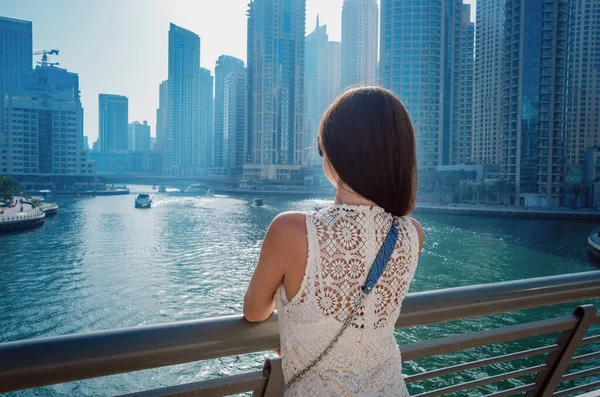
46,361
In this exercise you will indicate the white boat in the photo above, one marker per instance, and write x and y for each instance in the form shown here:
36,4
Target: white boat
143,200
210,192
195,188
162,189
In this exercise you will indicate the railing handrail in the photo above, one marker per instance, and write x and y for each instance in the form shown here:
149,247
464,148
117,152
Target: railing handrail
51,360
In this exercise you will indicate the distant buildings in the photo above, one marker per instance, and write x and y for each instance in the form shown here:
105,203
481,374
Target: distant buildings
226,65
113,113
360,24
334,73
43,129
184,153
424,48
234,123
145,163
205,117
138,136
162,120
276,30
16,56
534,99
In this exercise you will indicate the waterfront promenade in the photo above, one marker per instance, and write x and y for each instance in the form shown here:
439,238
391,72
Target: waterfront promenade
509,212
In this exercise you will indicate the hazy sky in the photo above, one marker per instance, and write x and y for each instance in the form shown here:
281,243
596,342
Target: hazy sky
121,46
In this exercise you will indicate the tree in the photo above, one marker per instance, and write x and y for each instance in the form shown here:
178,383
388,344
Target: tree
480,190
8,188
464,188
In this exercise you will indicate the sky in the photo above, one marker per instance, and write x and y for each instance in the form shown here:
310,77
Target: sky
121,47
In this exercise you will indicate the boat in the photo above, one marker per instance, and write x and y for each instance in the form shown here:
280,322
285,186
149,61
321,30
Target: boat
210,191
162,189
153,187
195,188
258,202
143,200
594,243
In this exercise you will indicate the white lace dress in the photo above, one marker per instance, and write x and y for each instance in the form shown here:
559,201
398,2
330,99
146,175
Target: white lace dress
343,242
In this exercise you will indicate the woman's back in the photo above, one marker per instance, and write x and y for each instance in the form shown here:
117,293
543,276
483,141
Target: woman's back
343,242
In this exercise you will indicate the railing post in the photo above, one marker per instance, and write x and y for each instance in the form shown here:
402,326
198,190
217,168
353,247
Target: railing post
557,362
275,382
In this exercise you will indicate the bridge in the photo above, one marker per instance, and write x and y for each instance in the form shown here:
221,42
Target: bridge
569,362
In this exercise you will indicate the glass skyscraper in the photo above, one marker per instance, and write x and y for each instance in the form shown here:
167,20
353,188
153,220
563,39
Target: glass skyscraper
535,61
360,23
183,146
205,118
113,114
424,46
276,30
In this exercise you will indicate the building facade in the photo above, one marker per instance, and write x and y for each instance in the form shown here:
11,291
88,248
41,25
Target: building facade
534,99
147,163
234,125
162,120
276,33
584,80
183,143
334,70
113,114
424,48
486,142
16,56
43,129
360,24
205,118
138,135
226,65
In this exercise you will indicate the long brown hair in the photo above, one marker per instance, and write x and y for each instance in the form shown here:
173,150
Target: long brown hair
368,138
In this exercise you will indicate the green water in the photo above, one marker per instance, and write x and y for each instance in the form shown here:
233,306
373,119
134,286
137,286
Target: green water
103,264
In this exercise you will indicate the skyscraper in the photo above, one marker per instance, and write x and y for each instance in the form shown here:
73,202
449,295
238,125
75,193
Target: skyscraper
205,117
360,23
534,99
16,57
183,151
162,120
334,70
226,64
234,125
112,119
584,106
276,30
486,141
423,50
138,136
462,115
315,87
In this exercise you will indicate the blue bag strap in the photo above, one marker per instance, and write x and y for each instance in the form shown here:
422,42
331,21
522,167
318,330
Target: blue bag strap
382,259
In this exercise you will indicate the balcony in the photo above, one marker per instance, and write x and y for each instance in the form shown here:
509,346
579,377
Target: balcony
47,361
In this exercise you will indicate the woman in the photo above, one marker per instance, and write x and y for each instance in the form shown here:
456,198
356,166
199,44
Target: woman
336,337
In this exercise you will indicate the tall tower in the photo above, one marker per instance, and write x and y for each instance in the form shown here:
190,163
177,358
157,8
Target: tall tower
162,120
16,57
360,23
226,64
183,100
234,125
276,30
534,99
205,117
486,141
584,106
423,68
113,114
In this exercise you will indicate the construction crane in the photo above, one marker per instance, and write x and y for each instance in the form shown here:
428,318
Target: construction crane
44,53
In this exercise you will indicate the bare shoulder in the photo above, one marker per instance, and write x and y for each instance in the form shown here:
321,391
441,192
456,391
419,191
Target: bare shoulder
289,222
420,232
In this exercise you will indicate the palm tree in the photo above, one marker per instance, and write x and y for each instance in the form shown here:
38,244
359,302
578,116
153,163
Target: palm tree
8,188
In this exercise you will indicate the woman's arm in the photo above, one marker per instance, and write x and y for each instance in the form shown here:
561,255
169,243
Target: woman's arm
420,232
284,248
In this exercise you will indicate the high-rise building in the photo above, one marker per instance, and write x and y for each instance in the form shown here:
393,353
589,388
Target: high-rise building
315,87
276,30
334,70
138,136
16,55
205,117
534,99
462,115
183,146
226,65
486,141
113,114
162,120
584,80
360,24
234,125
424,47
43,129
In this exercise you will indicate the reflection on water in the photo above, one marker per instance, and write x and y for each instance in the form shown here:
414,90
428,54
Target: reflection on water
103,264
